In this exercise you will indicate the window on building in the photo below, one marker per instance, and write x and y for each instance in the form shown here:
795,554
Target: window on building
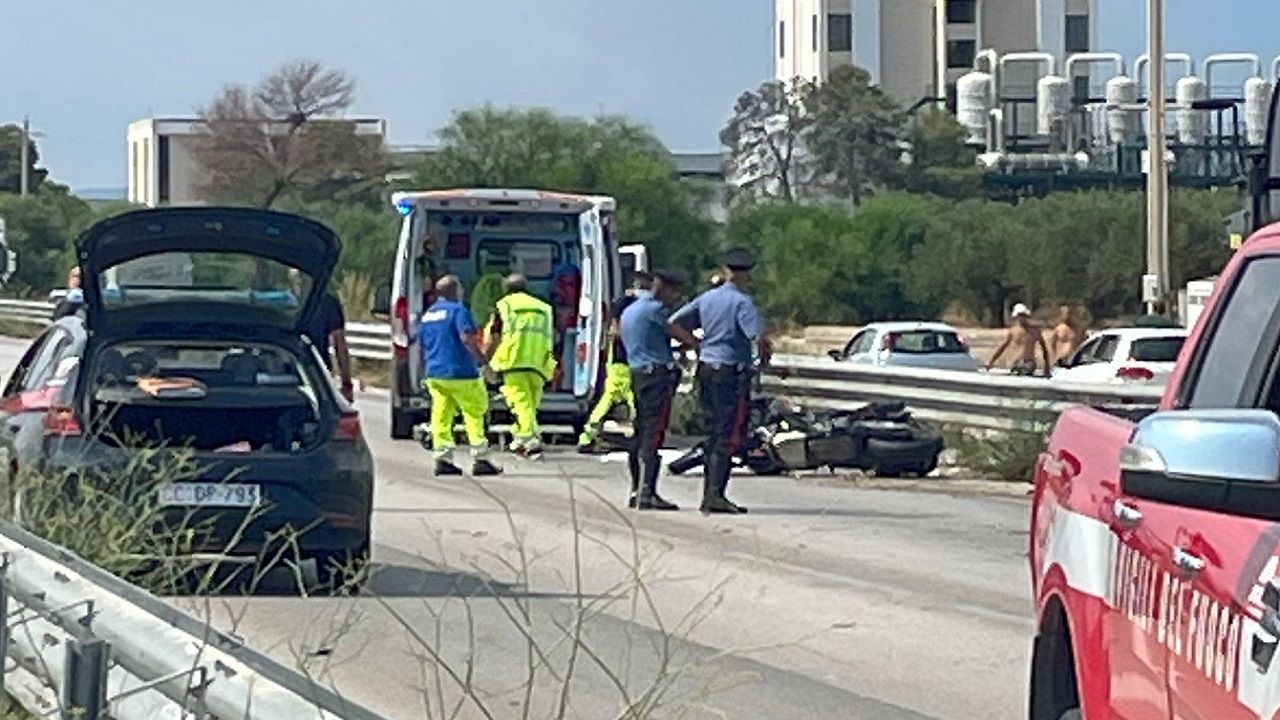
162,173
814,32
782,38
1077,34
840,32
962,11
1080,88
961,53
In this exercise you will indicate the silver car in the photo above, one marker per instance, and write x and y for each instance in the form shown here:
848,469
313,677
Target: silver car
928,345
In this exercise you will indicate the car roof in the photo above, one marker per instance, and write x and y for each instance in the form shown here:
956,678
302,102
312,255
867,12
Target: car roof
910,325
1139,333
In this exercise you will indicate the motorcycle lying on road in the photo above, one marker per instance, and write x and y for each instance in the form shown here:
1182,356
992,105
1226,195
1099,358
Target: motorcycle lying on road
882,438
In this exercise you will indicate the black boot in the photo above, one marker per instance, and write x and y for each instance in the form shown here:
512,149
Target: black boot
655,502
721,506
481,468
446,468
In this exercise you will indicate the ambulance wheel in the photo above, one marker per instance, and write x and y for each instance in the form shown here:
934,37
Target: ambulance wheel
402,425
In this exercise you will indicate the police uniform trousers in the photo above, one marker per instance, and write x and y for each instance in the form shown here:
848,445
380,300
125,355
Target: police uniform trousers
654,387
724,391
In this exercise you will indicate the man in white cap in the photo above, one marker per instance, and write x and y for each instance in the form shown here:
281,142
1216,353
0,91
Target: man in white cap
1023,336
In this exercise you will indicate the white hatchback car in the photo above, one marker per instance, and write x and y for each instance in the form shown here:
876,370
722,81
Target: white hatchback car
1124,355
928,345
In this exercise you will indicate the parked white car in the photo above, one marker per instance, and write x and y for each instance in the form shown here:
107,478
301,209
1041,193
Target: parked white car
930,345
1124,355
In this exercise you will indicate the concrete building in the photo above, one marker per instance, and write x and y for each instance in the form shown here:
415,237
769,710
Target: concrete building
917,49
162,165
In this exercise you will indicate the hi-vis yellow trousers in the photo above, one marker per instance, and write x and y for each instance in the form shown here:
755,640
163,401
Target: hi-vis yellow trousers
617,388
522,390
448,396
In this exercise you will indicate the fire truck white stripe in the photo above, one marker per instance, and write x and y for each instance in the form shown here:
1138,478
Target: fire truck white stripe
1085,549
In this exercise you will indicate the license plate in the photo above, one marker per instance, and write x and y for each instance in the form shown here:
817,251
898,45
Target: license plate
211,495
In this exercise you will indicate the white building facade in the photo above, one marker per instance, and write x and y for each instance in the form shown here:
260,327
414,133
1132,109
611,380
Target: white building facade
161,159
917,49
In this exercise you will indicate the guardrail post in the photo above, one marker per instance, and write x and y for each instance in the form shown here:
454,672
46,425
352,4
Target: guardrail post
84,690
4,617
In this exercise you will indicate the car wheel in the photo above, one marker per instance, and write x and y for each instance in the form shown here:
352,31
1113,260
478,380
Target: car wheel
402,425
342,572
887,471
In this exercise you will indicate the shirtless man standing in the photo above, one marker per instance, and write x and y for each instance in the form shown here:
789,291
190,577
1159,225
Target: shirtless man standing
1024,336
1067,335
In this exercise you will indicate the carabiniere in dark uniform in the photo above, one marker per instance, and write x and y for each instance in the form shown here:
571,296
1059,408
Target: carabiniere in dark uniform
731,326
654,378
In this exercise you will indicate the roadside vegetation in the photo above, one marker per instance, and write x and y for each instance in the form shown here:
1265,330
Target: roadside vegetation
1007,455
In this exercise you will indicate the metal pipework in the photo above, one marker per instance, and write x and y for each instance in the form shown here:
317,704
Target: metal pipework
1230,59
992,58
1188,63
995,130
1094,58
1043,58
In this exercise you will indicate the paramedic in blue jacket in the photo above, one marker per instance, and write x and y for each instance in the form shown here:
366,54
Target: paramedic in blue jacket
731,329
451,360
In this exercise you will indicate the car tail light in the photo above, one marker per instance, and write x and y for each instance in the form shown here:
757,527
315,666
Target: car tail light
580,352
1134,373
60,421
400,328
349,427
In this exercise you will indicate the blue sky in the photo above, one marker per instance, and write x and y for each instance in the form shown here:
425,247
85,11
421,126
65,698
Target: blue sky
83,69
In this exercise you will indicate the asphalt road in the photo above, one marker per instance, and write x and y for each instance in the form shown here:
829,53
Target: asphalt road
826,601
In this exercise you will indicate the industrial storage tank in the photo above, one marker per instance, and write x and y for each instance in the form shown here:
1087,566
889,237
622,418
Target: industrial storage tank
973,104
1053,102
1123,123
1257,106
1193,125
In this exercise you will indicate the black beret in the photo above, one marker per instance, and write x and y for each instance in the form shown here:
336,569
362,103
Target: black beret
739,258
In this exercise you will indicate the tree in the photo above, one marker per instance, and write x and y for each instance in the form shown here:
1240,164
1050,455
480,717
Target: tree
764,139
965,259
942,163
286,135
11,161
855,135
494,147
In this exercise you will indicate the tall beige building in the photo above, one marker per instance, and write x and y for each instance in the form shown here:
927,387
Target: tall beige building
917,49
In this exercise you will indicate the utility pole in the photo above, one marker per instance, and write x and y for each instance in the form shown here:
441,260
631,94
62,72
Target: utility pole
1157,168
24,157
940,52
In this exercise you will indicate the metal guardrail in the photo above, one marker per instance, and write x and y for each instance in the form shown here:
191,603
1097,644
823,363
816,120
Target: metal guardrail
90,645
973,399
986,400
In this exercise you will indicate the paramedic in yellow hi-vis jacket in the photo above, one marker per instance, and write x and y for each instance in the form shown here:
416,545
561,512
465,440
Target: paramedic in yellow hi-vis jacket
452,358
521,348
617,378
